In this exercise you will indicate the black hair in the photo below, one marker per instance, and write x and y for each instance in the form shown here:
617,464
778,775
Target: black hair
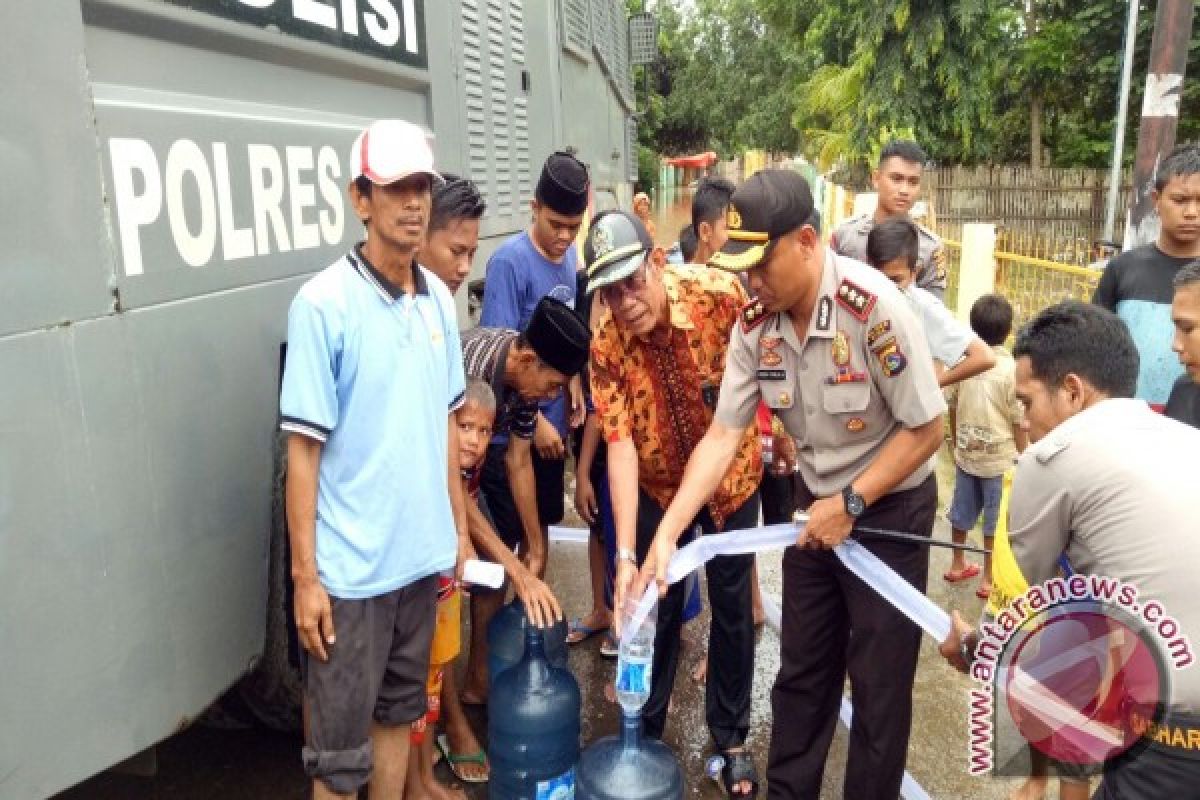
992,319
455,198
1188,275
906,149
892,239
1087,340
688,243
1181,162
711,201
364,185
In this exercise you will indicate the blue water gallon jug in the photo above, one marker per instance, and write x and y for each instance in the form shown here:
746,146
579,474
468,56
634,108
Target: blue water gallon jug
533,728
506,640
628,767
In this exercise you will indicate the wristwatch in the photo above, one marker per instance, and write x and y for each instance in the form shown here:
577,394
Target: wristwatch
628,555
855,505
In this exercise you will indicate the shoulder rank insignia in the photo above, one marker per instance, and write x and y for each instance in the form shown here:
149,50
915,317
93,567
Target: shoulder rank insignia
753,315
855,299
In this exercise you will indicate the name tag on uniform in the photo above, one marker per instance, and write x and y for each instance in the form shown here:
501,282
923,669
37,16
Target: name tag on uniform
771,374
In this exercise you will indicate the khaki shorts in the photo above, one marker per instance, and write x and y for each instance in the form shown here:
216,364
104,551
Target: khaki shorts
377,670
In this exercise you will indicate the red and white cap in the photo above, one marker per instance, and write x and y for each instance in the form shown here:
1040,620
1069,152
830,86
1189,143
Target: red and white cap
390,150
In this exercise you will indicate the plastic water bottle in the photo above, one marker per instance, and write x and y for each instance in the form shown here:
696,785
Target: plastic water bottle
635,659
506,640
533,728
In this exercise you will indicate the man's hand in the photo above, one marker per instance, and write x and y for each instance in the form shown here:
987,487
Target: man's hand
466,552
578,406
541,606
951,649
534,561
585,498
314,616
828,524
662,549
784,449
623,585
547,441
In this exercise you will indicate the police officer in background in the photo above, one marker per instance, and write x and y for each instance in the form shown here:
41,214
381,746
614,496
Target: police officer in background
897,179
833,348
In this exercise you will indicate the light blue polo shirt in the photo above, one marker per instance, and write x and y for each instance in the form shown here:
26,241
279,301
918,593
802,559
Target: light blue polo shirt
372,372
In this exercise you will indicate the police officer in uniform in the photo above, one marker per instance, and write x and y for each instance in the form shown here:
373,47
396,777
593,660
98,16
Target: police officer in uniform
897,179
833,348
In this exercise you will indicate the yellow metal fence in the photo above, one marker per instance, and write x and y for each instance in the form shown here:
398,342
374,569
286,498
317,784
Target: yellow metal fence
1028,282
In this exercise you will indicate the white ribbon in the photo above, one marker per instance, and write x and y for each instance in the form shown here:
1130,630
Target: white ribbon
856,558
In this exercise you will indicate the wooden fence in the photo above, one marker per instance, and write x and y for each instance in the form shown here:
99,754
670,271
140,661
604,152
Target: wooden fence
1064,205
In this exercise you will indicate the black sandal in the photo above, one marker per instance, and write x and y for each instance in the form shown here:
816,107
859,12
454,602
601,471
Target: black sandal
738,768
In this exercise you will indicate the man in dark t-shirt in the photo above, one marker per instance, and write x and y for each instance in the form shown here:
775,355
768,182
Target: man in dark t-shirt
1139,284
1184,402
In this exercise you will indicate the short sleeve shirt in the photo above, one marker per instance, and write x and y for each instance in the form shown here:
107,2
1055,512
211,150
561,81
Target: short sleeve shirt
861,372
1114,487
661,391
518,277
986,413
850,240
357,348
485,352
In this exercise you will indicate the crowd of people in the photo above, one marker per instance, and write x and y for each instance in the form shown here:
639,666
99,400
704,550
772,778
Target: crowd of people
771,373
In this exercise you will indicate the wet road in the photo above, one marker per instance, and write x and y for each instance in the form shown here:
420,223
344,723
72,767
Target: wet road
204,762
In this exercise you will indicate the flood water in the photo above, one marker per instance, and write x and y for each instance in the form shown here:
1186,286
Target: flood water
205,762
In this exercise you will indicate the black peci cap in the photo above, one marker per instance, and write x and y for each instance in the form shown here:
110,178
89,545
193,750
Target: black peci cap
558,336
564,184
771,204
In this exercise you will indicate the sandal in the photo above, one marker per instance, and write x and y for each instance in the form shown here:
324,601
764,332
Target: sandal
608,647
453,760
578,632
738,768
957,575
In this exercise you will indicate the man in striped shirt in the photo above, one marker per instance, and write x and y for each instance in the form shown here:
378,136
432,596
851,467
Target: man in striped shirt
522,369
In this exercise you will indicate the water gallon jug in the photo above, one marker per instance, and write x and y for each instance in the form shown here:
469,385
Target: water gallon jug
506,640
533,728
628,767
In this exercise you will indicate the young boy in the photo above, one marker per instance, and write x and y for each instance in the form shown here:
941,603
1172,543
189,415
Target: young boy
892,248
986,419
474,420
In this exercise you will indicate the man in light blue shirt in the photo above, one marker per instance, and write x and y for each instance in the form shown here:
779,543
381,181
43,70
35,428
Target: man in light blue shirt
374,503
536,263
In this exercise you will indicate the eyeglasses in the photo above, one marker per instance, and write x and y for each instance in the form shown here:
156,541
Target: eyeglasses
633,283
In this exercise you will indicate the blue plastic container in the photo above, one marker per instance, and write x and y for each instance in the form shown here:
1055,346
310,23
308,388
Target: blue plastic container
506,640
533,728
629,767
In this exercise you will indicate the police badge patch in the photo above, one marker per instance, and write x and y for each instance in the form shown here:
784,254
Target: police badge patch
602,241
891,359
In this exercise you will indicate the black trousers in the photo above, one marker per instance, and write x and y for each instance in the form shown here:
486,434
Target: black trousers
833,623
730,638
1150,771
776,492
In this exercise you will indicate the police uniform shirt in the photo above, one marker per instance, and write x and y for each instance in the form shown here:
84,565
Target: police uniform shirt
850,240
861,373
1115,488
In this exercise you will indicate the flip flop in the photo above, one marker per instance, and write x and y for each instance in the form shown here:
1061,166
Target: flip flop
608,647
957,575
454,759
578,632
982,593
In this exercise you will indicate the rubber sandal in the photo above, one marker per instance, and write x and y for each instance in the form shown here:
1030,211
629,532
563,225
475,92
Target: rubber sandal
738,767
957,575
454,759
578,632
982,593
